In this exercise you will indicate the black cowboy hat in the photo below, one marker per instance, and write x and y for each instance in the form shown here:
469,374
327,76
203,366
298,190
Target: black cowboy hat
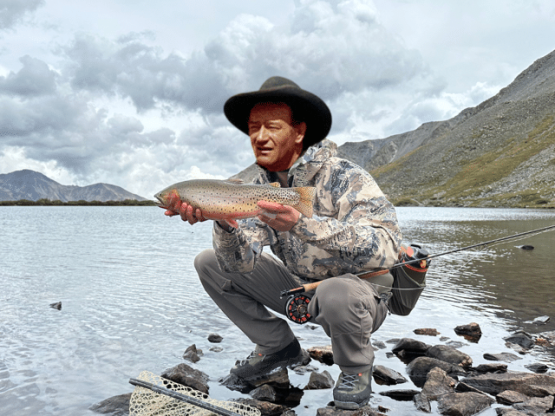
306,107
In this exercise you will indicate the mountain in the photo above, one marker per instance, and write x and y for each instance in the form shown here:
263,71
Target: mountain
500,153
31,185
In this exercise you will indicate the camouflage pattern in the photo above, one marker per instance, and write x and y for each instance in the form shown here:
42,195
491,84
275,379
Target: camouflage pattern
354,227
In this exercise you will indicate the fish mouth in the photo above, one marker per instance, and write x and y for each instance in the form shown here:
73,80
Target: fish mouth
161,204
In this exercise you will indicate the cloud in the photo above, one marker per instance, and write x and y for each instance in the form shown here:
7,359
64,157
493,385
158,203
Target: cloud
13,11
34,78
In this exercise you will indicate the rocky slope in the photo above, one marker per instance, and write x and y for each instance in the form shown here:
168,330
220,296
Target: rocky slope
31,185
500,153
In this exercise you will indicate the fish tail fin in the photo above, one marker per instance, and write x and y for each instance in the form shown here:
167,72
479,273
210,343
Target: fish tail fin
305,205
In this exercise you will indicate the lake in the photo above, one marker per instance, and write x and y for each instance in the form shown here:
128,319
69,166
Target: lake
131,301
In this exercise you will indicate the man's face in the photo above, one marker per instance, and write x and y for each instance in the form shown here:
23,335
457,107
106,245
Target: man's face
276,142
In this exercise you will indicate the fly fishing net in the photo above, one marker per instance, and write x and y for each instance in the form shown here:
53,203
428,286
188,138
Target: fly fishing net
164,397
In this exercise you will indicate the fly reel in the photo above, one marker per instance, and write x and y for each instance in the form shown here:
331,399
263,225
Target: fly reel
296,309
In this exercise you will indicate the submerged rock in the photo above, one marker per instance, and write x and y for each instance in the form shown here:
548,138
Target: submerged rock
521,338
57,305
471,332
192,354
215,338
114,406
401,395
541,320
491,368
503,356
538,368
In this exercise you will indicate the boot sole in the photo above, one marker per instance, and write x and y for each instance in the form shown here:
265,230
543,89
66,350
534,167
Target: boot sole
350,405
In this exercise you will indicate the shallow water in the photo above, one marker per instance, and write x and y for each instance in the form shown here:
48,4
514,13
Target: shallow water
132,301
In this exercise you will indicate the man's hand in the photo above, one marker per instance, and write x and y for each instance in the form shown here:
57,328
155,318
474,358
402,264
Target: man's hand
285,216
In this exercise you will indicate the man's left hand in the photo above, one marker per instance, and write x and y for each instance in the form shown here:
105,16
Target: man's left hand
285,216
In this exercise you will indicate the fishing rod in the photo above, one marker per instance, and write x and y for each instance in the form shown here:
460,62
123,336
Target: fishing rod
297,306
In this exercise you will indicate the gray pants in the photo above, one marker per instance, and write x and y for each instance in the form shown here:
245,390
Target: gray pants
347,308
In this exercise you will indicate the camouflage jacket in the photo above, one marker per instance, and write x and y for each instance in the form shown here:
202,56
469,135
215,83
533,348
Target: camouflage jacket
354,227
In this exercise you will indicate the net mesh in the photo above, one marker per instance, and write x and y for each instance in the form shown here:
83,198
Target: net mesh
145,402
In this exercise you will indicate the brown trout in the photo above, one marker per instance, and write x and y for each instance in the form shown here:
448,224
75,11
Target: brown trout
224,199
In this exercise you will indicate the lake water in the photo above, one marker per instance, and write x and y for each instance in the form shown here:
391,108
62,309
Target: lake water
132,301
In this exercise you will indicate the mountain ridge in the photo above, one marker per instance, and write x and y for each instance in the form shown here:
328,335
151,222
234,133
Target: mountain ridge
31,185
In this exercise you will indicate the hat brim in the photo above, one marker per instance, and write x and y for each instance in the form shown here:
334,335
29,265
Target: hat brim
306,107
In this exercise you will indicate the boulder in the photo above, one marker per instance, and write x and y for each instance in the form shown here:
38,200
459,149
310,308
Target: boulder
463,404
323,354
510,397
534,385
419,368
471,332
215,338
114,406
536,405
503,356
411,345
192,354
387,376
183,374
449,355
437,384
319,381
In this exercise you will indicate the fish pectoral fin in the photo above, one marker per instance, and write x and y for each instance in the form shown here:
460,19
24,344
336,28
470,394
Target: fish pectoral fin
305,205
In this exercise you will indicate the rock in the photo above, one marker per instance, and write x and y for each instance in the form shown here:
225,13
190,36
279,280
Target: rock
422,403
322,354
266,408
216,349
535,405
471,332
264,392
183,374
192,354
334,411
541,320
419,368
57,305
456,344
437,384
516,348
504,356
387,376
215,338
379,344
537,368
509,412
527,247
510,397
426,331
549,337
534,385
411,345
463,404
400,395
320,381
462,387
114,406
303,369
491,368
449,355
521,338
278,377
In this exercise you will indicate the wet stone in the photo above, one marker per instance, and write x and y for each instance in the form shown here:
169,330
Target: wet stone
463,404
422,403
535,405
303,369
471,332
57,305
426,331
113,406
419,368
541,320
510,397
504,356
331,410
450,355
411,345
183,374
215,338
323,354
192,354
491,368
400,395
538,368
216,349
266,408
521,338
525,383
438,383
320,381
387,376
265,393
379,345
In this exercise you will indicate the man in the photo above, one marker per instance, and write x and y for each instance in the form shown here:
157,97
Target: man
354,229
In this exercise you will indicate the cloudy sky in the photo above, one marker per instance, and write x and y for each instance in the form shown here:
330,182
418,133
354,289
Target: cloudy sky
130,92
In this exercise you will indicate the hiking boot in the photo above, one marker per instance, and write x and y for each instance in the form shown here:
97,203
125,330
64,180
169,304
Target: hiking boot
257,365
353,391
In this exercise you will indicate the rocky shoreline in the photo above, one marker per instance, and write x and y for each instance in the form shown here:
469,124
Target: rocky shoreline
441,373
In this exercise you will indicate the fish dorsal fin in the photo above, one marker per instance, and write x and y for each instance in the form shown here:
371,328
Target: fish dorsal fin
236,181
275,185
